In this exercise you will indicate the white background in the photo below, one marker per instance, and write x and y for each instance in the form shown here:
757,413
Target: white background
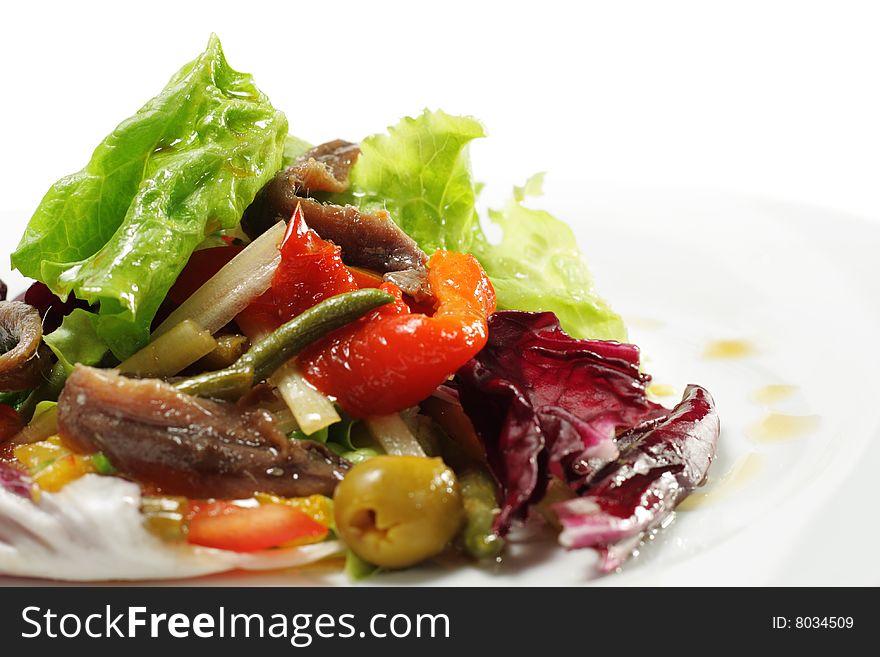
778,99
775,98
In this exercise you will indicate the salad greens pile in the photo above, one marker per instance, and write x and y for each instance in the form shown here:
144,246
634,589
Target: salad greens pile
448,422
186,165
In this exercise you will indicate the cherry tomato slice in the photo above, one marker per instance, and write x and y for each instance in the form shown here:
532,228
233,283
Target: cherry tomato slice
246,529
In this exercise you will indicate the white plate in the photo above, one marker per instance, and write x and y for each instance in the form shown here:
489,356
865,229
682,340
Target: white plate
800,286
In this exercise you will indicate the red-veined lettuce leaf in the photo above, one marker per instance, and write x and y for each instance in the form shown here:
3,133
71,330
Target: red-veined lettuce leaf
544,403
658,467
14,480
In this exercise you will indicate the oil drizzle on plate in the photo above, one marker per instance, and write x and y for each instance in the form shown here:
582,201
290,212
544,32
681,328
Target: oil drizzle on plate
773,393
744,469
661,390
728,349
778,427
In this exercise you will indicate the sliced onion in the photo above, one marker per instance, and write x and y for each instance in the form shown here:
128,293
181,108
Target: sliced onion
231,289
312,410
284,421
395,437
43,425
167,355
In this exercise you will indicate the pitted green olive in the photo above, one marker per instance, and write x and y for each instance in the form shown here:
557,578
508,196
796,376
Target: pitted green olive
395,511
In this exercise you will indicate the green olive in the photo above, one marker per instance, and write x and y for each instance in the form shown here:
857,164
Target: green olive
395,511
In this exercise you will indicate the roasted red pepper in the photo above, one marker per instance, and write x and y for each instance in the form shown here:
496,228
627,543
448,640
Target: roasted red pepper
310,271
393,358
365,278
260,318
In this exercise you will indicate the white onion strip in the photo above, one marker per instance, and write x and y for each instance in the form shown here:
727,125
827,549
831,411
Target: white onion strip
231,289
395,437
312,410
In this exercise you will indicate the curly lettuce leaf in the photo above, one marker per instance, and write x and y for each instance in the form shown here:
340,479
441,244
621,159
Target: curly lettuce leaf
187,164
294,147
659,466
420,173
537,266
77,341
357,569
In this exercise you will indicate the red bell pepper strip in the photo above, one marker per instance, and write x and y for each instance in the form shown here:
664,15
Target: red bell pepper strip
310,271
392,358
260,318
365,278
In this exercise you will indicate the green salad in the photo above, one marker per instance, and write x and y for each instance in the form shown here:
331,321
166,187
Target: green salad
301,352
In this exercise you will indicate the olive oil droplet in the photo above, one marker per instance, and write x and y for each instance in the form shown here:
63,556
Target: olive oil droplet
777,427
661,390
773,393
744,469
728,349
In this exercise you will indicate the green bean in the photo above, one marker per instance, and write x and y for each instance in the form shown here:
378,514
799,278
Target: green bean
278,347
171,352
229,383
48,390
228,350
478,493
270,353
39,428
480,509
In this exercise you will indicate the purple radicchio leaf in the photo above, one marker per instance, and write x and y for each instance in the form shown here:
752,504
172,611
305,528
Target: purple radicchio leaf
659,465
14,480
52,309
544,403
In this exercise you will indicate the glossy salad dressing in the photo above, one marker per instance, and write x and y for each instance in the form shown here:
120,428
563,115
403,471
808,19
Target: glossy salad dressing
661,390
774,393
744,469
774,427
729,349
779,427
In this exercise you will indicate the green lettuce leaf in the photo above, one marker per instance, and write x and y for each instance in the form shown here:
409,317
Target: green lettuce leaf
77,341
357,569
420,173
184,166
294,147
538,266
